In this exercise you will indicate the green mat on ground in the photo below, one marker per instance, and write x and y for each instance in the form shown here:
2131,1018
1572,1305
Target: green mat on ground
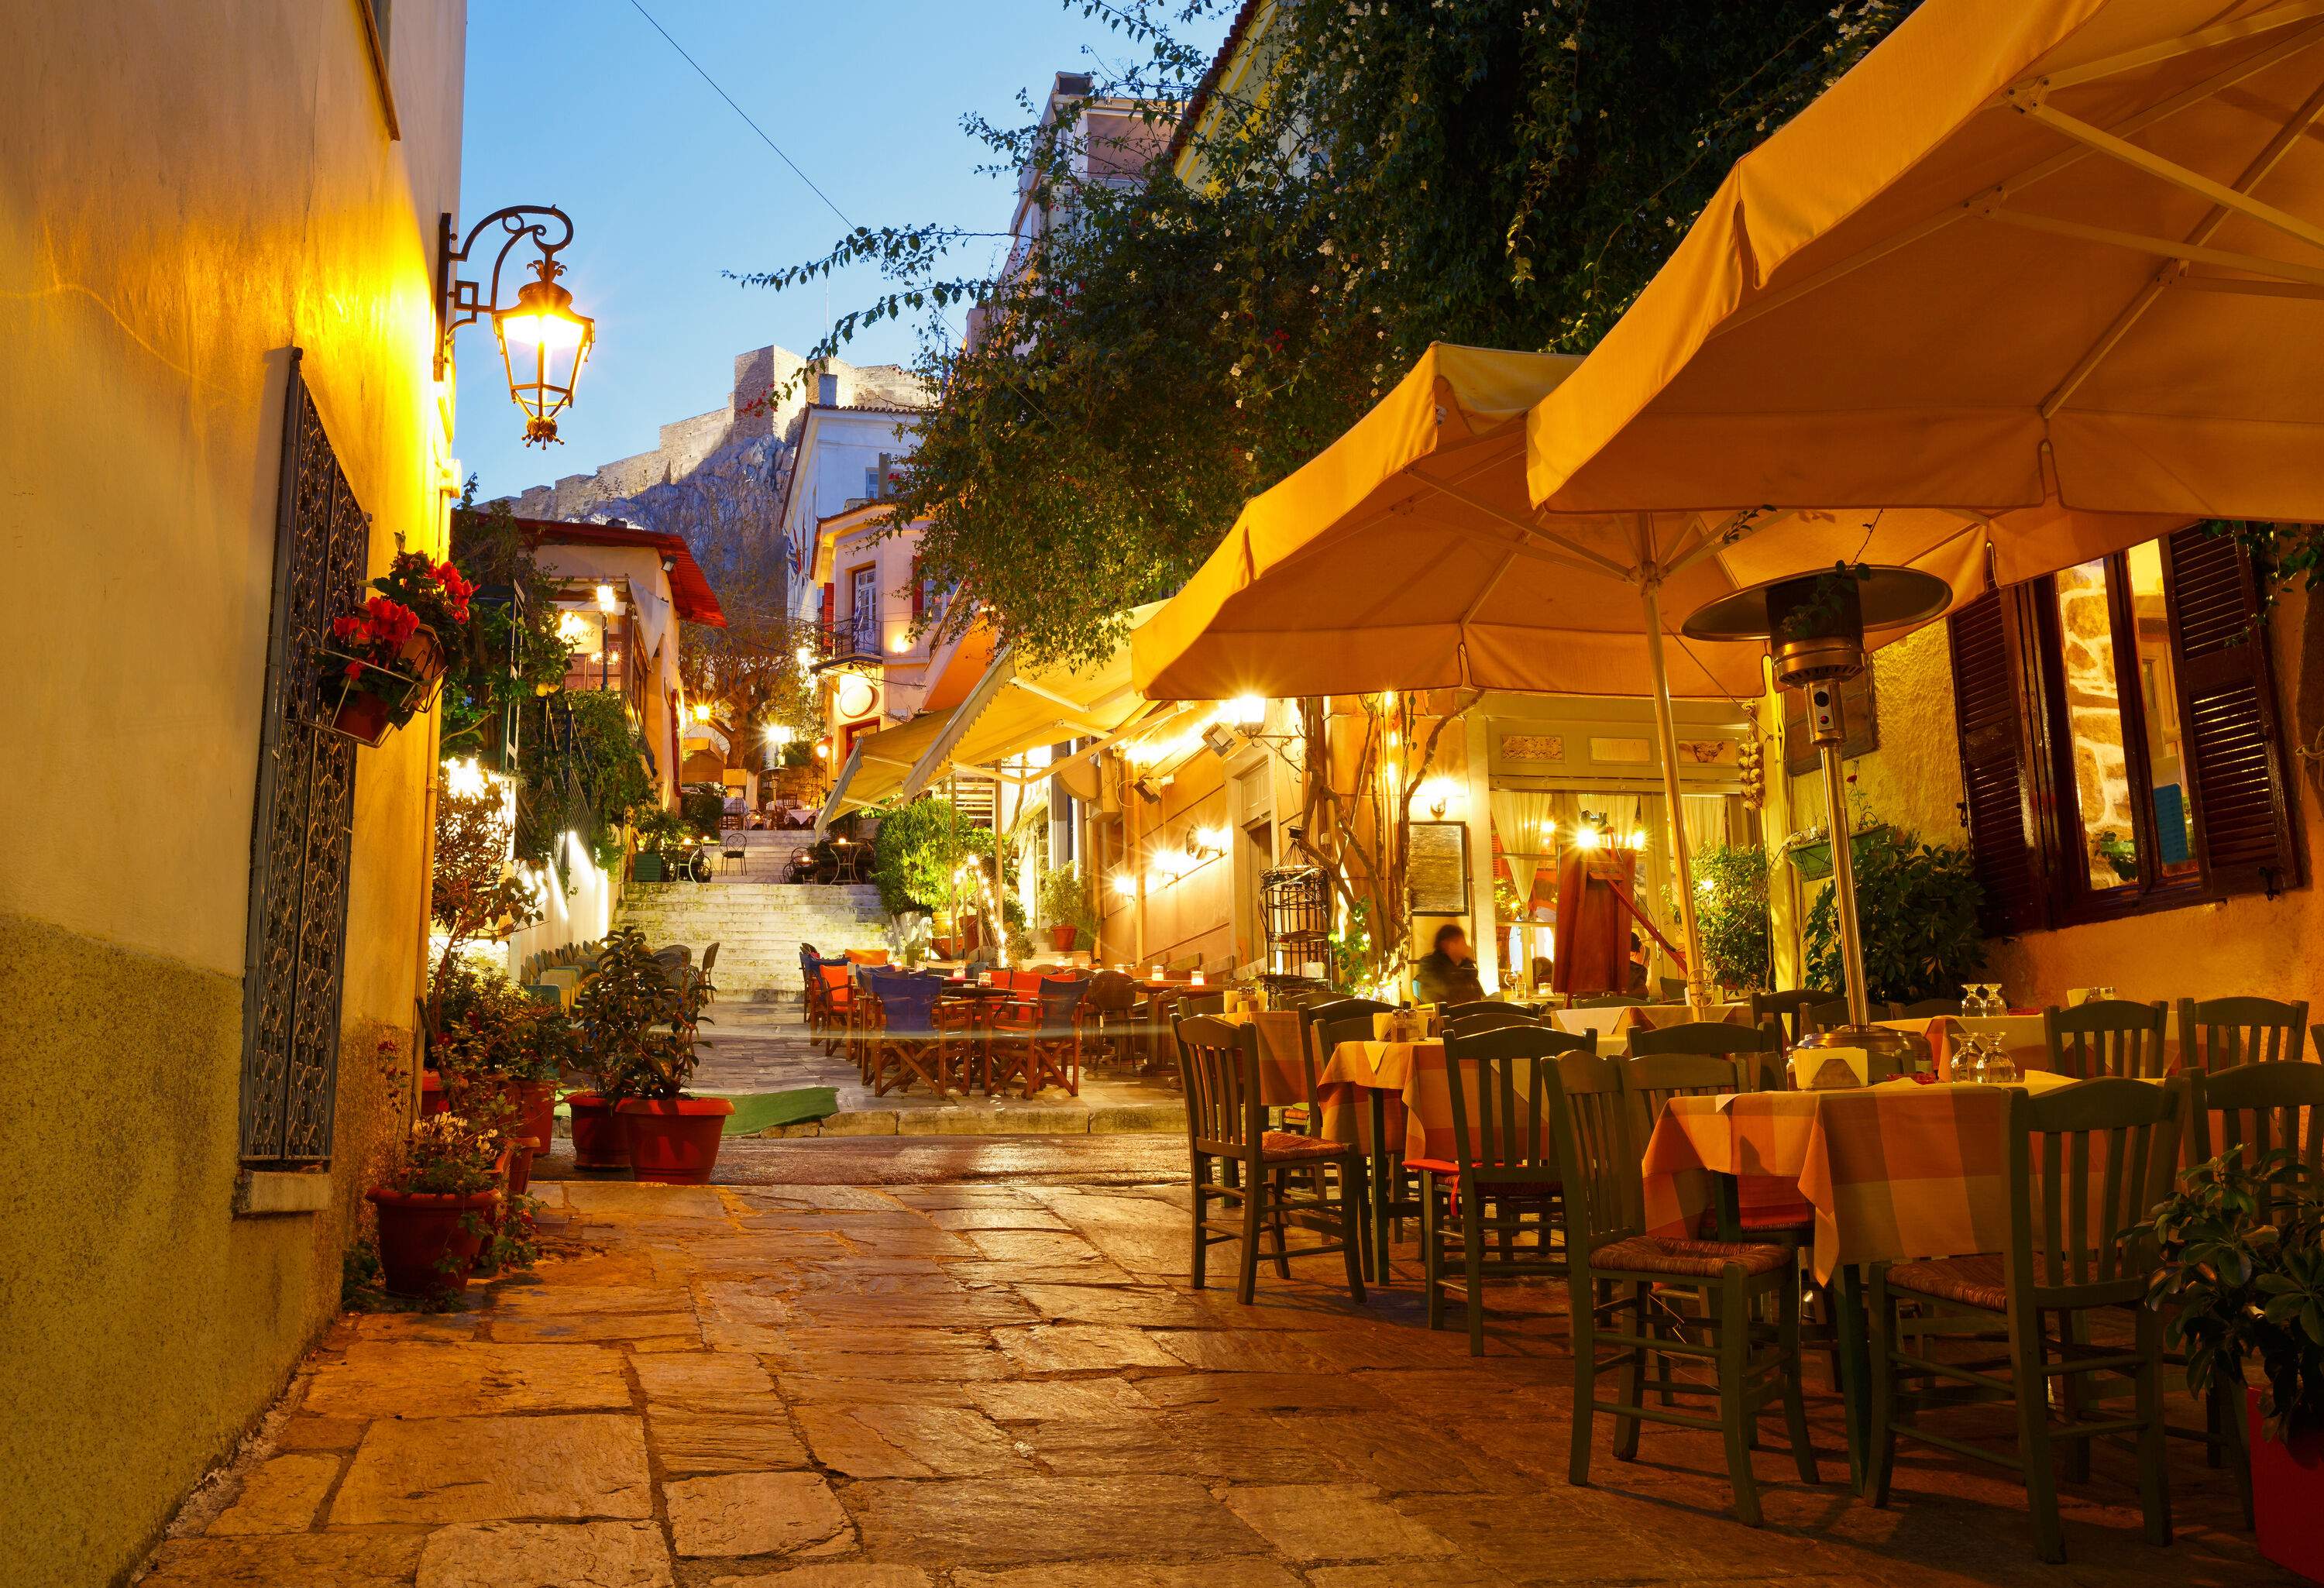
763,1110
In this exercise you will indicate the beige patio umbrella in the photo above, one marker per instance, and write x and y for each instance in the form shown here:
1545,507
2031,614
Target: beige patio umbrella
1405,556
2027,254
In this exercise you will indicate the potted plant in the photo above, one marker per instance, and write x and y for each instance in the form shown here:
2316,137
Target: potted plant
1064,906
2240,1278
495,1046
435,1211
382,664
663,837
638,1024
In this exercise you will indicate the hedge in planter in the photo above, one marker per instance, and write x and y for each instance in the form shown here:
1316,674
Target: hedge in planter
1916,906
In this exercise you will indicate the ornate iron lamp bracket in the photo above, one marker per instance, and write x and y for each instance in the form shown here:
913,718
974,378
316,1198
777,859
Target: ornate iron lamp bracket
461,303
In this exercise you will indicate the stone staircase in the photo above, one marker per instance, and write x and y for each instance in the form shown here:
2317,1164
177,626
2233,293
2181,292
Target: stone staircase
757,926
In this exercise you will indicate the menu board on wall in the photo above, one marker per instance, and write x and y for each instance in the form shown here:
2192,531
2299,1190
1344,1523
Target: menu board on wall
1436,868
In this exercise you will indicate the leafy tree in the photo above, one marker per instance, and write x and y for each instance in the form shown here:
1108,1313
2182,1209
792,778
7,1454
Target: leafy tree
583,765
472,892
921,848
1505,172
1916,906
1732,914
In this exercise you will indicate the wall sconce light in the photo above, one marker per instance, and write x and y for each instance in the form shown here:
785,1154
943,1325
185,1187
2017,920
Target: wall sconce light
606,598
1125,885
543,342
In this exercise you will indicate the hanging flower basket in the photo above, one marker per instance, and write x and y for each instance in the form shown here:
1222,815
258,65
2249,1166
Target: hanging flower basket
379,668
1813,859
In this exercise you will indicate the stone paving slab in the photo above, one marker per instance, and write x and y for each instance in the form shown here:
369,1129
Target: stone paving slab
976,1362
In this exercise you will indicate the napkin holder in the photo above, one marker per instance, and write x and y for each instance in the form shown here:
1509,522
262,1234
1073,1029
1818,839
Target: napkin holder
1830,1069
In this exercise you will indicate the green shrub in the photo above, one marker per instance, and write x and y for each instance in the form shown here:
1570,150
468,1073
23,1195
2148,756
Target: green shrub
1731,914
920,847
703,805
1916,907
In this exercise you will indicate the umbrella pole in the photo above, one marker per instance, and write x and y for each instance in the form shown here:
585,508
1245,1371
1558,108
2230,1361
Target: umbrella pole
1697,993
1843,883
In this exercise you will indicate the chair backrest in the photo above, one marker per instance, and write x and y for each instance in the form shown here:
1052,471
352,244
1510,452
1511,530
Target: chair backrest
709,958
868,956
1202,1004
835,975
908,1004
1654,1079
1714,1038
2114,1136
2221,1033
1453,1011
1610,1000
1350,1019
1219,1064
1786,1007
1470,1017
2106,1037
1332,1029
1500,1085
1111,992
1591,1116
1828,1015
2257,1109
1061,998
1928,1009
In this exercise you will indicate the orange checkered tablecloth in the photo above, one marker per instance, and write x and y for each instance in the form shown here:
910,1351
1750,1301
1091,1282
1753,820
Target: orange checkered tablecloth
1894,1171
1419,1116
1282,1069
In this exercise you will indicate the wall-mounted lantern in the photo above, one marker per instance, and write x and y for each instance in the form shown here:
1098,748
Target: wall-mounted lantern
543,343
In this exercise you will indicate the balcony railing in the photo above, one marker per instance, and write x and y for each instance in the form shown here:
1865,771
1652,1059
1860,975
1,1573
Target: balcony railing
849,639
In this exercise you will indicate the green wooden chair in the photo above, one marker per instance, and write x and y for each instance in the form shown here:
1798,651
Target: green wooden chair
1237,1160
2083,1165
1786,1008
2257,1108
1470,1018
2221,1033
1614,1268
1308,1117
1489,1210
2106,1037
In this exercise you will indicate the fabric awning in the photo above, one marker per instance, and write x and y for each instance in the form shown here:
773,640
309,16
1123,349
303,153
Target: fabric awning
1405,556
876,768
1012,710
2025,252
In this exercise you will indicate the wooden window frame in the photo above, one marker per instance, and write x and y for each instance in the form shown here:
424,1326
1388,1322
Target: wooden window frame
2049,818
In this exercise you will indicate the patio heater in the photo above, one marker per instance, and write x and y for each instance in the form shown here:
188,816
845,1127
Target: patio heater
1813,625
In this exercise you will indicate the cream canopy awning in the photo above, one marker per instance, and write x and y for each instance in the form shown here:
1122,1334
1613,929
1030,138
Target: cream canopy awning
876,768
2027,252
1405,556
1014,709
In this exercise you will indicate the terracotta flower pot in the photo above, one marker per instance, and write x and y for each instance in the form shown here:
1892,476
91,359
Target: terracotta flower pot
2287,1480
597,1139
422,655
1063,938
536,1112
432,1097
519,1168
674,1141
364,717
424,1249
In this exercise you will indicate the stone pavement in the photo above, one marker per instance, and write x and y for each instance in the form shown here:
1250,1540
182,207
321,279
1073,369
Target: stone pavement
764,1048
976,1364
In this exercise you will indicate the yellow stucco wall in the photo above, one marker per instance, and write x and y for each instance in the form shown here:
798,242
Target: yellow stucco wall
191,190
2247,945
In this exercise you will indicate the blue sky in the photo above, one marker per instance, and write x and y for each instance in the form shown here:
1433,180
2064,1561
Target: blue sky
581,104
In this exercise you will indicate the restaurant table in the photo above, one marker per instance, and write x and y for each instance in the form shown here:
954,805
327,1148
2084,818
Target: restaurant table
2023,1037
1620,1019
1894,1172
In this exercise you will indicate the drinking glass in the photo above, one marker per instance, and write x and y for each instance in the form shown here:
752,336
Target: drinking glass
1967,1054
1972,999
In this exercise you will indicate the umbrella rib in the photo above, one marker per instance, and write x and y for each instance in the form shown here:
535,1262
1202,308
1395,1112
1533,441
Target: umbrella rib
2216,83
2186,44
2177,175
1530,530
2256,264
2291,131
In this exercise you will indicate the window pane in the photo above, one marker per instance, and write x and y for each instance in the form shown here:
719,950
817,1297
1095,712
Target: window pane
2094,719
2166,753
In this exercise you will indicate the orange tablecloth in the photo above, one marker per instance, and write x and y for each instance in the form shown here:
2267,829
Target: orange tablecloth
1282,1068
2023,1035
1895,1171
1418,1117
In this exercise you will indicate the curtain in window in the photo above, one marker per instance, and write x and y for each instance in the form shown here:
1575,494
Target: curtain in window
1527,823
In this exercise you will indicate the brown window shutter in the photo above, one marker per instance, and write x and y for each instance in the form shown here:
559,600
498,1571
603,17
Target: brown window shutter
2227,714
920,591
1988,708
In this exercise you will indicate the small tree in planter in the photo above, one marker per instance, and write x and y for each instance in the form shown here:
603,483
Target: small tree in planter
2241,1282
1917,903
441,1206
638,1030
1732,915
491,1041
1066,907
